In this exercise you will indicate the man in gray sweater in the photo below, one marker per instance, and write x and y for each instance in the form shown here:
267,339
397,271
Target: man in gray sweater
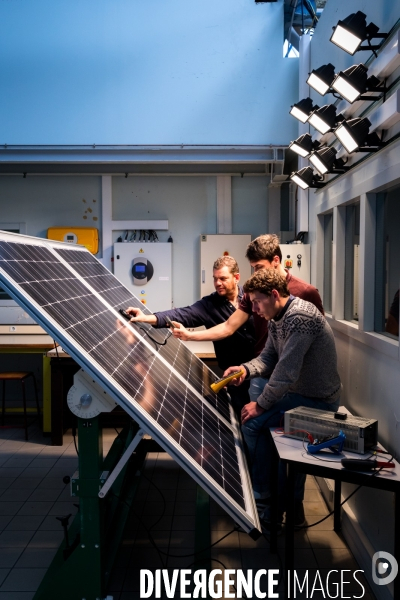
300,361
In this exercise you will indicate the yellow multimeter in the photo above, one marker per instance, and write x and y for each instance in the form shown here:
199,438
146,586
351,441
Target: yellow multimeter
220,383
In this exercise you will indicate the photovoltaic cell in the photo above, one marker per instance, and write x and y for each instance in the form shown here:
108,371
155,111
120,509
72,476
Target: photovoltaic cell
75,298
177,354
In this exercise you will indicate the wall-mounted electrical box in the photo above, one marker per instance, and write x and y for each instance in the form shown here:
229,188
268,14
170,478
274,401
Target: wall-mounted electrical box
86,236
145,269
296,259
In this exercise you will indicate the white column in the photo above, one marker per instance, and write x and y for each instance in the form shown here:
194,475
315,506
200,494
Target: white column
274,209
224,204
338,261
304,92
106,206
366,263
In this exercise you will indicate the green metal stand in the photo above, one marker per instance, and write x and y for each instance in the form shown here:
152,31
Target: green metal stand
202,538
83,563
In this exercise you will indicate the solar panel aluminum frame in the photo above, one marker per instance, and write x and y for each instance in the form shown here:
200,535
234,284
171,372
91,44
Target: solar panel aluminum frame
247,519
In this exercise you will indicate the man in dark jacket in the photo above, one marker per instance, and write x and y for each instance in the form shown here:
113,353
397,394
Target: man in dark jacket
212,310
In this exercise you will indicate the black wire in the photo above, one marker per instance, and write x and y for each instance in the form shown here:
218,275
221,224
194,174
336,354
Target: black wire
146,332
74,436
348,497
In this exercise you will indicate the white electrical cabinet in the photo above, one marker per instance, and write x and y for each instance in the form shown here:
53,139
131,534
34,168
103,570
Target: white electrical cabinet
296,259
146,269
214,246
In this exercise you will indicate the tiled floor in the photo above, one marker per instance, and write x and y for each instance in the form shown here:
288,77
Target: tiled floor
32,495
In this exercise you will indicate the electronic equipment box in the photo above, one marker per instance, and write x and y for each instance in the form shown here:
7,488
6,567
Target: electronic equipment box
361,434
145,269
86,236
296,259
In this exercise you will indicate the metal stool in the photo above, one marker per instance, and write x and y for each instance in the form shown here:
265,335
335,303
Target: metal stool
19,376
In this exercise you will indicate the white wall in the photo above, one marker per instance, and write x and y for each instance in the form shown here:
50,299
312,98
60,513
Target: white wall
188,203
43,202
145,72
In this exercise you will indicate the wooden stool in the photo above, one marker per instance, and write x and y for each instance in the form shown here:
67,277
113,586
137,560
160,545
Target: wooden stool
19,376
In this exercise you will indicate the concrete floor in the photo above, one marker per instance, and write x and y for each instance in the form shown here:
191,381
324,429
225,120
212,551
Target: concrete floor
32,495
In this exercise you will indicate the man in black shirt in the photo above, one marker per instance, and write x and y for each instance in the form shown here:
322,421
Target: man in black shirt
210,311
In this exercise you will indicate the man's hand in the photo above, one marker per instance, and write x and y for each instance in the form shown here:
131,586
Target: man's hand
238,380
138,316
181,332
250,411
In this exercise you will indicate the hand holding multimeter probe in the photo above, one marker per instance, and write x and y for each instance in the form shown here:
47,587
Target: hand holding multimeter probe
220,383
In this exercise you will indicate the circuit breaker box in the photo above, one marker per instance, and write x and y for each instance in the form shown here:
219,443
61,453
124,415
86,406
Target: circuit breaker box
145,268
296,259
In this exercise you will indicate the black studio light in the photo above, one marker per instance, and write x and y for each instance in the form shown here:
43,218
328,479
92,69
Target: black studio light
304,145
325,161
321,79
305,178
324,119
302,109
353,30
354,81
355,137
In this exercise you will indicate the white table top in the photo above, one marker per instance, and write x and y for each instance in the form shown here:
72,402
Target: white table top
294,450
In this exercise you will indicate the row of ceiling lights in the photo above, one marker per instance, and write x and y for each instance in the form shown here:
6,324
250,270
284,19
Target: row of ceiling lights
351,84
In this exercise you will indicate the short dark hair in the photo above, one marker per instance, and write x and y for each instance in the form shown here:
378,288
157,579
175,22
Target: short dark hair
265,247
227,261
266,280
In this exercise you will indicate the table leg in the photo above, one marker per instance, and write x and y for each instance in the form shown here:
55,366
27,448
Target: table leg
289,528
337,524
273,540
46,394
396,583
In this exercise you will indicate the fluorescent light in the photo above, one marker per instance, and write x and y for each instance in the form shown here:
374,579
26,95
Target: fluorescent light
315,82
318,123
320,79
298,180
305,178
352,82
323,119
353,30
300,115
345,89
302,109
299,150
303,145
346,139
318,164
346,40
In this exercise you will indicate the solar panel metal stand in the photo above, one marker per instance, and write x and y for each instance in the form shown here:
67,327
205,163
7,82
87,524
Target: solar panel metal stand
83,571
121,464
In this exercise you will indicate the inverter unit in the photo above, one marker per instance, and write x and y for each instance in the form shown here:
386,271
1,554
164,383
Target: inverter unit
361,434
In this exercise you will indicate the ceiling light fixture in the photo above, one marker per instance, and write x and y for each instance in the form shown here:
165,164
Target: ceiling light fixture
353,30
354,81
324,119
355,137
321,79
306,178
302,109
325,161
304,145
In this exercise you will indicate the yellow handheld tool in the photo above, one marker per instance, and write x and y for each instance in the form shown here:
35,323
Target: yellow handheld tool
220,383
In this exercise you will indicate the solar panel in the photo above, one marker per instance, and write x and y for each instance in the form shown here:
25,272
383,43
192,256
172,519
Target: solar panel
152,375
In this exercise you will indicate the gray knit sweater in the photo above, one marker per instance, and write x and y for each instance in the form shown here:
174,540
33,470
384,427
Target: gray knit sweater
299,356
